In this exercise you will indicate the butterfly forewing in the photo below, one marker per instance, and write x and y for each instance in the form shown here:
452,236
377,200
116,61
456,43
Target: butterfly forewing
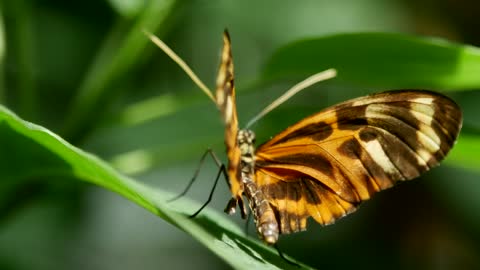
240,153
328,163
225,99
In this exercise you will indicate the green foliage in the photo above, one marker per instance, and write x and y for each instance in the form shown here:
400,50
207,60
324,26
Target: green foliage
40,153
107,89
380,59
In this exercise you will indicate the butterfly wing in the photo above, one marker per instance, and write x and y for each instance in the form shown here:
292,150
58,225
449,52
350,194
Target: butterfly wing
328,163
225,99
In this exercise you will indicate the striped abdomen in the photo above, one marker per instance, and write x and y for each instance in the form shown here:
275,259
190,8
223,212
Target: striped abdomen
265,221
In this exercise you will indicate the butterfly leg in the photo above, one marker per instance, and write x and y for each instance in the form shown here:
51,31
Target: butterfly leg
249,218
222,169
280,253
197,171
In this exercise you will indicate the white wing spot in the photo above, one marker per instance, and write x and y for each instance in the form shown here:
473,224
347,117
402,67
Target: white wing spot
426,119
374,148
423,155
360,102
422,100
228,110
220,97
427,137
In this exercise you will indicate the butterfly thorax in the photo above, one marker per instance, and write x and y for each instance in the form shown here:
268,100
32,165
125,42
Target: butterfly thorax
246,141
264,216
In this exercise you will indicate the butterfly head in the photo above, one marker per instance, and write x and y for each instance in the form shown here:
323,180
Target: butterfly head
246,136
246,140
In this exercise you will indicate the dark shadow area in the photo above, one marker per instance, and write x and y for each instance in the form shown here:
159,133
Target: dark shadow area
29,172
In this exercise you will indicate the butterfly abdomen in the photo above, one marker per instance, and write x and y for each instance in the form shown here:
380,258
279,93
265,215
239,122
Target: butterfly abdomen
264,216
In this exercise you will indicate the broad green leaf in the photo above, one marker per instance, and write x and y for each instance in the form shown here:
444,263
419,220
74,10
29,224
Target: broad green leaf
459,187
35,152
381,60
465,153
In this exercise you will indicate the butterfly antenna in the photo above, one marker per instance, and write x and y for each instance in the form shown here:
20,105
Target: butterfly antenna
181,63
318,77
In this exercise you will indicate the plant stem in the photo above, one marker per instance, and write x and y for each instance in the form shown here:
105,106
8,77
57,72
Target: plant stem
21,39
119,55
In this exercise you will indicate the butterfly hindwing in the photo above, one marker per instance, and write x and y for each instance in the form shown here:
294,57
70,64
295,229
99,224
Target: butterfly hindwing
296,200
342,155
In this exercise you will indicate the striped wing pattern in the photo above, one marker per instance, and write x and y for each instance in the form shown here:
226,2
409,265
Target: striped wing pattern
225,99
328,163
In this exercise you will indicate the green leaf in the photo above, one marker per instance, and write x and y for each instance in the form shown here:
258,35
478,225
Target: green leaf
128,8
120,54
2,60
35,152
20,48
381,60
465,153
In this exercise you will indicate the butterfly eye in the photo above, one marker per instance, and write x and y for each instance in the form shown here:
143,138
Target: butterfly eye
251,136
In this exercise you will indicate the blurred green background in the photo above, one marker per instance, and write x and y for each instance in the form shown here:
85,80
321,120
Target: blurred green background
85,71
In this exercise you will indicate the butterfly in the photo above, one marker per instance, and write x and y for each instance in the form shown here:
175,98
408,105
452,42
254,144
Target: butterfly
328,163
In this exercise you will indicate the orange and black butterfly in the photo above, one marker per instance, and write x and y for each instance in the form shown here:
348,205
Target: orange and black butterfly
325,165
